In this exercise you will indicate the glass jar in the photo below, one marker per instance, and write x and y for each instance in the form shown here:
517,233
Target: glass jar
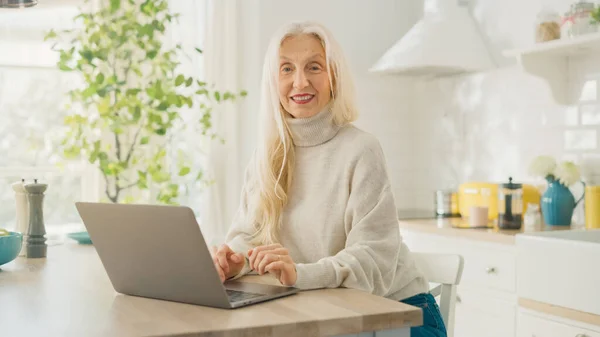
582,20
566,25
547,26
510,205
532,218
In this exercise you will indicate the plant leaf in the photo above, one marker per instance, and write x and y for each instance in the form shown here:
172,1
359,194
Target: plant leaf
179,80
184,171
100,78
50,35
115,5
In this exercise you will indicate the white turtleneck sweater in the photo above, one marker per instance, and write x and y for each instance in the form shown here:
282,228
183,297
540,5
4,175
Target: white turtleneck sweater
340,224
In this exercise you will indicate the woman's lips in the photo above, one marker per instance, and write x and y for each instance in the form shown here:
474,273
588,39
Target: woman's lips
302,99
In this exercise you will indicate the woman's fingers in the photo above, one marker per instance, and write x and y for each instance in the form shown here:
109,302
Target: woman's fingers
237,257
284,271
221,272
258,257
255,253
275,268
267,259
222,254
227,262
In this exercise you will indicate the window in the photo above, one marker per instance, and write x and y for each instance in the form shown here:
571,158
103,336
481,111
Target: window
31,100
32,97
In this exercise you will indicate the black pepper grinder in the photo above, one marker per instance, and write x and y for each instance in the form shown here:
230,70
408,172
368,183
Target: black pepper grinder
510,205
36,240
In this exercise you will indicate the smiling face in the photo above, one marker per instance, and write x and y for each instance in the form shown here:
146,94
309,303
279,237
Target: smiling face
304,88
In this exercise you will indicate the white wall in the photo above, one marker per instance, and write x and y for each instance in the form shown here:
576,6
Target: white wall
489,126
365,29
437,134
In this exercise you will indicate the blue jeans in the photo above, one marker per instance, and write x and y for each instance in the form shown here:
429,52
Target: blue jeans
433,324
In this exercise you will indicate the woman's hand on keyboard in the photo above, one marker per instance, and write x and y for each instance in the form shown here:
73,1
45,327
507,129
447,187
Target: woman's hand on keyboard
227,262
274,259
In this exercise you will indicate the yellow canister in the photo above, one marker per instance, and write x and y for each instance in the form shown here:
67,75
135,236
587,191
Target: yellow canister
592,207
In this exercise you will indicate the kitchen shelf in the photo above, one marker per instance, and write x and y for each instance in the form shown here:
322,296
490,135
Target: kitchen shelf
566,47
550,60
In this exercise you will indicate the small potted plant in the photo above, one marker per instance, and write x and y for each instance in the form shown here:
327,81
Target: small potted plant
558,202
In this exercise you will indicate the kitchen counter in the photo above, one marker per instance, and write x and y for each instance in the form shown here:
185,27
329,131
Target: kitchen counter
527,286
69,294
559,311
447,227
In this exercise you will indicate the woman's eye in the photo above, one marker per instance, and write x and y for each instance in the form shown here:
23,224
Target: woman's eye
315,67
286,69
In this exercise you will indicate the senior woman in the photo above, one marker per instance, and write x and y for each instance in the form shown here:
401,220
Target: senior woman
317,208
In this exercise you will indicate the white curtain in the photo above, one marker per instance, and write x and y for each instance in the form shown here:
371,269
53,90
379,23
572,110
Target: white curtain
223,164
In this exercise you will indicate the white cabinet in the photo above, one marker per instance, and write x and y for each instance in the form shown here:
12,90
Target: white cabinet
558,268
533,324
486,299
487,303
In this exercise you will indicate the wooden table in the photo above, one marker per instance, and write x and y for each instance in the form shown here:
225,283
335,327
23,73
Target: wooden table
69,294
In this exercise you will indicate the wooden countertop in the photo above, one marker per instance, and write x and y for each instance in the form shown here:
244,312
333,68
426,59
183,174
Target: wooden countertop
555,310
69,294
448,227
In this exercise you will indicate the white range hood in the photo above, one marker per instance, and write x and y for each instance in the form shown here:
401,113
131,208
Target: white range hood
446,41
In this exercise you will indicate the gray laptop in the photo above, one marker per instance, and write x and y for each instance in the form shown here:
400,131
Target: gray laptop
159,252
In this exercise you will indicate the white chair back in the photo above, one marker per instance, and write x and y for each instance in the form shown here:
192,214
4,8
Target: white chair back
446,270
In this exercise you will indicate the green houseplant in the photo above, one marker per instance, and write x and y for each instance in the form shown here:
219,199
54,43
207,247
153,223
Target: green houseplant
132,98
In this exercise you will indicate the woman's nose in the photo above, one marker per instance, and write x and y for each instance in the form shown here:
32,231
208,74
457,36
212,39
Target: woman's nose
300,80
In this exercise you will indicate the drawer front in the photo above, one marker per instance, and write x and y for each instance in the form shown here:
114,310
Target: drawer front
487,265
473,323
529,325
478,314
489,268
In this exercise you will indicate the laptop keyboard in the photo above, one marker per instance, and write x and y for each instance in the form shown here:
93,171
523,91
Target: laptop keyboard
235,296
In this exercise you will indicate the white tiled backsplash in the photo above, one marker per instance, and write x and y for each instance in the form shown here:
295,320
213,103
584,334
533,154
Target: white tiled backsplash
489,126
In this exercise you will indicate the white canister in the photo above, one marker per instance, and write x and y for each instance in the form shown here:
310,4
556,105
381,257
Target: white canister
22,211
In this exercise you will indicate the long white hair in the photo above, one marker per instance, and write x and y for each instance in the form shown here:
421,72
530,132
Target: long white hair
274,158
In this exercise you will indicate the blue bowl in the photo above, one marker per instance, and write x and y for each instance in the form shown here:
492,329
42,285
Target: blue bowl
82,237
10,246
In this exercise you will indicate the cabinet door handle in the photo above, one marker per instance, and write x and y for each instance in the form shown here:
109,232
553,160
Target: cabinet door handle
490,270
458,299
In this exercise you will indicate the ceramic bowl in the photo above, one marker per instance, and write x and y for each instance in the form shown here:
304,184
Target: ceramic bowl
10,246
